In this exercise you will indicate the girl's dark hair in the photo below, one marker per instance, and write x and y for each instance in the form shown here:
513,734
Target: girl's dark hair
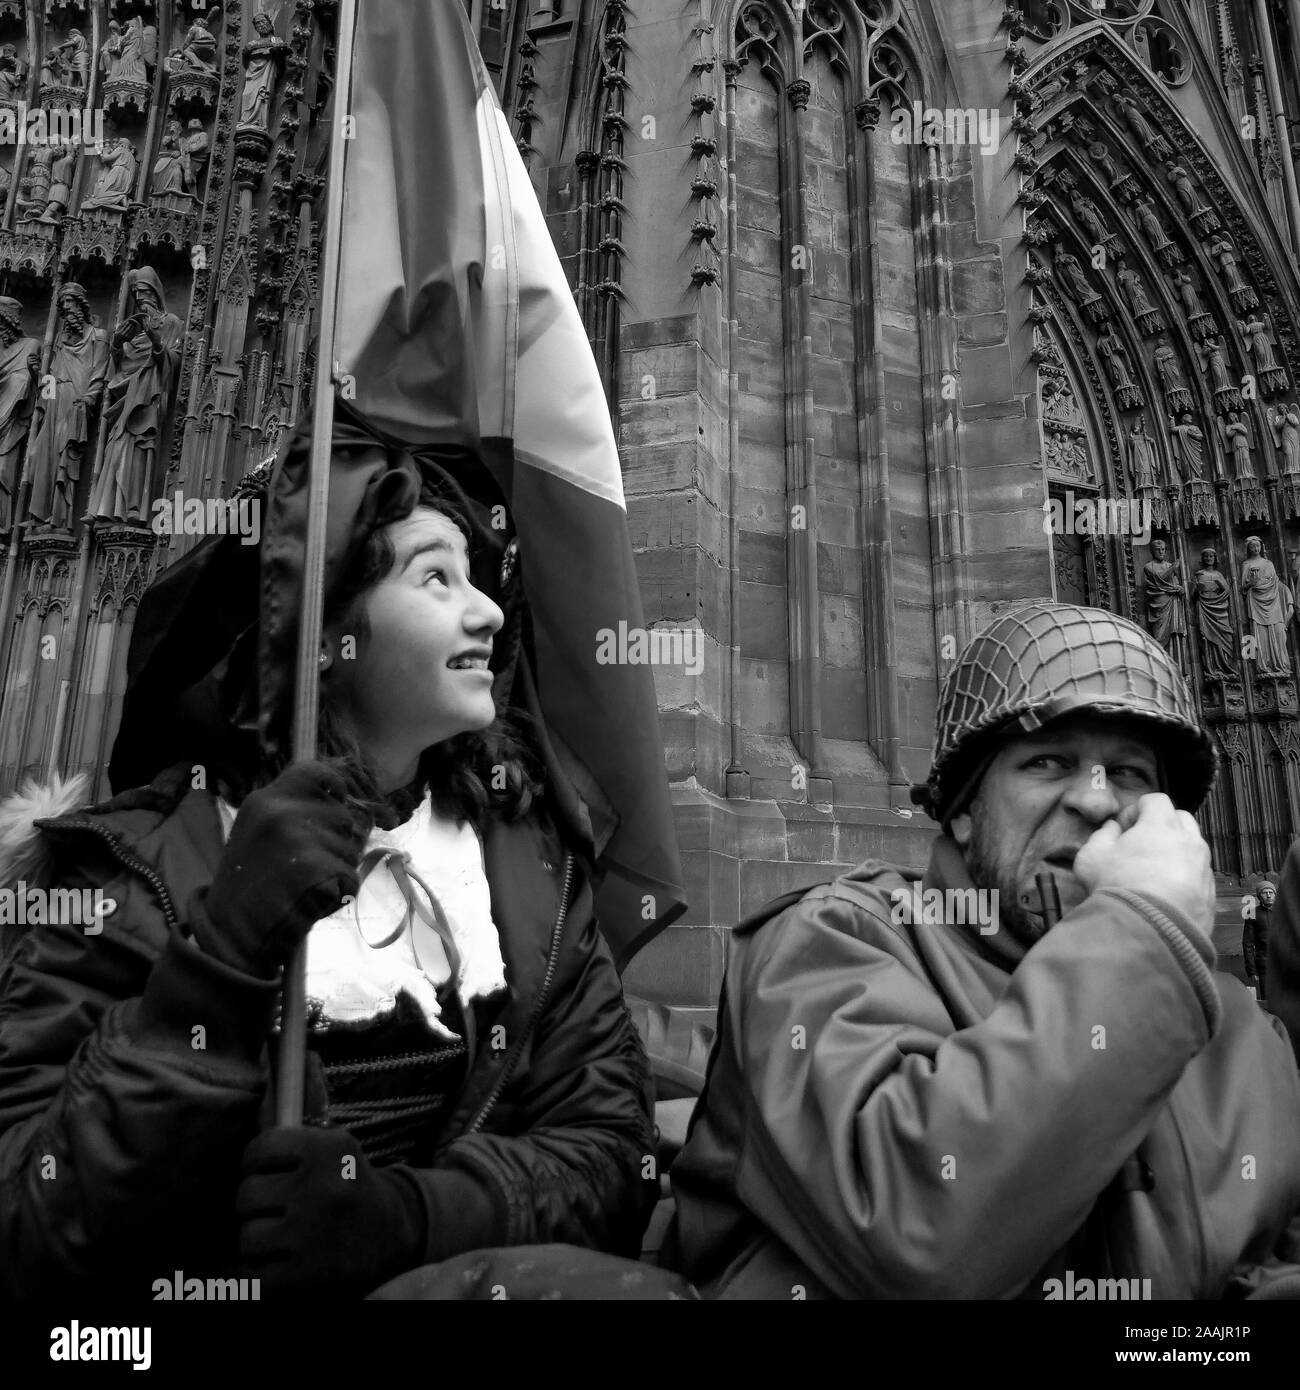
471,777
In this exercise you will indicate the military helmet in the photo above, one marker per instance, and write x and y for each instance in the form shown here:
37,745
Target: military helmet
1045,660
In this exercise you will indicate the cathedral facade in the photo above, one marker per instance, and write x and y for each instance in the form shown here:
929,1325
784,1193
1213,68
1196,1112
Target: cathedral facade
908,312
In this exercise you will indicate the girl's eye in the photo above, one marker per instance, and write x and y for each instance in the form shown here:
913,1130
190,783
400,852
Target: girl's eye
440,575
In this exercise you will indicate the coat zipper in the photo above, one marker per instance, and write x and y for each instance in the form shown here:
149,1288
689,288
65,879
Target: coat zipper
130,861
508,1066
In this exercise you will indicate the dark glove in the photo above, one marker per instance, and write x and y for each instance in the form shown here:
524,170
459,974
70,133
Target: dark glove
291,859
306,1228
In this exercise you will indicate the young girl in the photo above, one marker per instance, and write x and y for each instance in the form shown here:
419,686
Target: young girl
474,1077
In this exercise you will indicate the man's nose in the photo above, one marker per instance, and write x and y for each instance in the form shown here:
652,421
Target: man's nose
1092,795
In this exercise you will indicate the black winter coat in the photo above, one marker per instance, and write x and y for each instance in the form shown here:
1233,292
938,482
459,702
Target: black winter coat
121,1141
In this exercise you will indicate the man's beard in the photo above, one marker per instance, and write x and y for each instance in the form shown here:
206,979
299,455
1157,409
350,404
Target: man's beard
982,864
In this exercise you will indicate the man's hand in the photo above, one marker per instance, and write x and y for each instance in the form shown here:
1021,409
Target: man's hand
316,1217
1151,847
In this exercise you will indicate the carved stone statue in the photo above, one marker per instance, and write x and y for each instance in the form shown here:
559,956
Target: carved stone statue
1201,213
1225,253
197,51
1142,457
1101,156
34,190
196,147
1189,448
1131,114
1271,376
1070,276
169,168
13,74
1237,436
1190,296
1212,605
64,435
263,57
60,189
146,349
116,179
1284,421
1119,367
1154,231
1178,397
68,64
1227,395
1165,601
1265,608
1134,289
20,360
1090,218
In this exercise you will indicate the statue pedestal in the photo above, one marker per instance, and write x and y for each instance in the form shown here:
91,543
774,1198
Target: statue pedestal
1290,491
1199,507
1249,502
1275,695
1226,698
172,202
252,142
59,94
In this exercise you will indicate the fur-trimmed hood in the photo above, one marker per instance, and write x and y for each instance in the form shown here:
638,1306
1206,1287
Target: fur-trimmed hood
25,852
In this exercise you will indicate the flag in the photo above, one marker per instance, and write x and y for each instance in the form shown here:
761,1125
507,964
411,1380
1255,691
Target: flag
456,323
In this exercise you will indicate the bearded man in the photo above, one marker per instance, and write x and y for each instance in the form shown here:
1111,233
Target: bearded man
923,1086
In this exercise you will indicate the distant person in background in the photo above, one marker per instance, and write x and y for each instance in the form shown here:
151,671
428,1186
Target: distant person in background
1254,936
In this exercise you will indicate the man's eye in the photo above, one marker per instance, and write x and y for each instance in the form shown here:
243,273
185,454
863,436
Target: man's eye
1047,760
1131,771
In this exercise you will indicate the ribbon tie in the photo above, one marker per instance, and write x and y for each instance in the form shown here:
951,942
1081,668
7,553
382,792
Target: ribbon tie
399,865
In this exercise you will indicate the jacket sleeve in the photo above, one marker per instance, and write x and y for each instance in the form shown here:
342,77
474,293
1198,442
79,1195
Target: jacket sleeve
900,1152
1283,986
129,1082
569,1155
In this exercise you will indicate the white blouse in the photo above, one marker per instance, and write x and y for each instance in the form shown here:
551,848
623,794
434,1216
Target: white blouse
356,983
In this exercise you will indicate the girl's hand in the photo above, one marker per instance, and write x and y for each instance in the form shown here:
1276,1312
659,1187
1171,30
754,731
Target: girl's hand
291,859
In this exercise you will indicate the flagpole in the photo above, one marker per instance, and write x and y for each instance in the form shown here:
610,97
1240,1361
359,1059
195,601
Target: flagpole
291,1071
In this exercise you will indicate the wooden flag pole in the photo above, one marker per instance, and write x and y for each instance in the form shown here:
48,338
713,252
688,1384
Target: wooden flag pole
291,1071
